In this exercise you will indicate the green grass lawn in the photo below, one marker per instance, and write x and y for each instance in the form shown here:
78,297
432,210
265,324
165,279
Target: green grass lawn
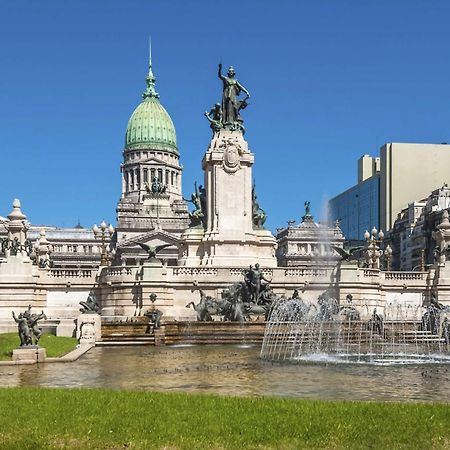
104,419
54,345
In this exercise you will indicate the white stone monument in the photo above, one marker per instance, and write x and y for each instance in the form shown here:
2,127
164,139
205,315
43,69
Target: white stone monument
230,237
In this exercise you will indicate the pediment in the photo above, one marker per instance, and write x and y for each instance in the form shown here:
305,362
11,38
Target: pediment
154,238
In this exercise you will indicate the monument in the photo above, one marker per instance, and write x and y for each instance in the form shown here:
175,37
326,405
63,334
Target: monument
230,230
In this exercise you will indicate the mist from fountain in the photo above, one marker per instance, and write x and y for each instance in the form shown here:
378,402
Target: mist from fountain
298,331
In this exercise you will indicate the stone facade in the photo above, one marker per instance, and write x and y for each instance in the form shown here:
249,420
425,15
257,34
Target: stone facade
411,237
151,209
309,244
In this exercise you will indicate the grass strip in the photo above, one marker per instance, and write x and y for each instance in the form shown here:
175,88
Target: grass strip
55,345
40,418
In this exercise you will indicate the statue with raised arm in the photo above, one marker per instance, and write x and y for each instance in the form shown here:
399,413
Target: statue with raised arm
23,330
198,199
231,104
33,324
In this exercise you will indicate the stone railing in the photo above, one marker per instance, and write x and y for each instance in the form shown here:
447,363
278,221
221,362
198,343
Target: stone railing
371,273
234,272
119,271
403,276
194,271
71,273
305,272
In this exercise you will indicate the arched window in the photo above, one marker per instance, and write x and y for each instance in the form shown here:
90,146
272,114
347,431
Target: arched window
127,180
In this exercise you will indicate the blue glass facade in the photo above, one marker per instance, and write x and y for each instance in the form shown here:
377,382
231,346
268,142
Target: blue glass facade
358,208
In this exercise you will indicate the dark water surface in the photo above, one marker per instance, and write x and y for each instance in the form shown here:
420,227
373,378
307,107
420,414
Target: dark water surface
234,370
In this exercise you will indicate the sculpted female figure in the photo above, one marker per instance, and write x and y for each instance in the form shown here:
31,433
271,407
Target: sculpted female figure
230,103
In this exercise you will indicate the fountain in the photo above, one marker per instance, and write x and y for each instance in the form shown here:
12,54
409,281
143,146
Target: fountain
298,331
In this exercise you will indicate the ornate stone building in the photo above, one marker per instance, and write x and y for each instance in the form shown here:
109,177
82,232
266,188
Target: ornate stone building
411,237
151,209
71,248
309,244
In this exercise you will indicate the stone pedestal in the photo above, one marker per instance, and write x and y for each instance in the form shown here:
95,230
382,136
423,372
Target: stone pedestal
152,268
29,355
89,328
230,238
160,336
66,327
191,252
442,283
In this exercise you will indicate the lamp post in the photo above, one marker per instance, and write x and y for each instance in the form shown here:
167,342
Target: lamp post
102,233
388,253
373,253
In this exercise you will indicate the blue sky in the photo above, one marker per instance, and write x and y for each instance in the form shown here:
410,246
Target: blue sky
330,81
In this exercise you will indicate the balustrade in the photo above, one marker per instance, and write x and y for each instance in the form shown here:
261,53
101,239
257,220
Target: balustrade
401,276
71,273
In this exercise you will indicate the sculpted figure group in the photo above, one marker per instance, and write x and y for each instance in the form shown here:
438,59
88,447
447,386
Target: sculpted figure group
226,115
253,296
29,332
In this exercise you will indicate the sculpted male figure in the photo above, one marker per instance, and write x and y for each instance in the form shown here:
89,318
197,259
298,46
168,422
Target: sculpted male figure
256,278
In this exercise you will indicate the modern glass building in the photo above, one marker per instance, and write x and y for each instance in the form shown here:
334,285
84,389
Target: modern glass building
357,208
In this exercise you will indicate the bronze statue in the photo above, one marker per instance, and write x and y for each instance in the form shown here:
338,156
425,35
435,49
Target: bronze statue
151,250
198,199
231,105
307,208
353,254
255,277
259,216
201,308
214,117
154,315
90,306
33,324
23,330
156,187
375,323
28,326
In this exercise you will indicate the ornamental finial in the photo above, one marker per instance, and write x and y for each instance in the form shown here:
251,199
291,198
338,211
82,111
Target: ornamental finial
150,92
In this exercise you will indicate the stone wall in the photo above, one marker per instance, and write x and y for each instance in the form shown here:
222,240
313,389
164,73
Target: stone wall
124,291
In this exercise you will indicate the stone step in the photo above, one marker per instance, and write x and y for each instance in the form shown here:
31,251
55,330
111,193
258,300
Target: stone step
112,343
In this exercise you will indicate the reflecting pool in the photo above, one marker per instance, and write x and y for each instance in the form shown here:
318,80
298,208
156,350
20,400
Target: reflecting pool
235,370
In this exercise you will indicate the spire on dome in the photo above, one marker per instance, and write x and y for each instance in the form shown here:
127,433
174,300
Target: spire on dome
150,92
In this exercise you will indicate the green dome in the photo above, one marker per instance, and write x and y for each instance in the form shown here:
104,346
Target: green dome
150,126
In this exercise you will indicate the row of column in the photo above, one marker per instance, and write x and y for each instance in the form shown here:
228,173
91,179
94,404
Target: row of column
135,179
